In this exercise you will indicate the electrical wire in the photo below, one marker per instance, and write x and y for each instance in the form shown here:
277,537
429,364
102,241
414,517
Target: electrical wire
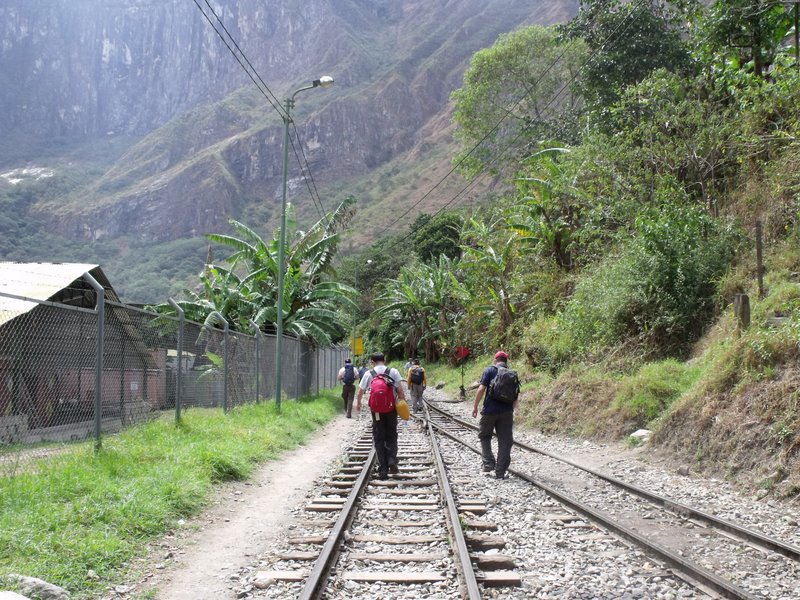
512,144
311,178
314,198
268,93
271,98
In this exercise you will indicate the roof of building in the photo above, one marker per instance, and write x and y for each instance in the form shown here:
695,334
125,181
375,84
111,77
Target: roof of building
22,284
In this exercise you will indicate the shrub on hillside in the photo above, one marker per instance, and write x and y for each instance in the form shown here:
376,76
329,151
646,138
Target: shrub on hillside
659,289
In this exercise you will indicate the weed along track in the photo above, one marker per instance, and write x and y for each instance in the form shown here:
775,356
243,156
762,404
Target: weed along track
716,556
413,535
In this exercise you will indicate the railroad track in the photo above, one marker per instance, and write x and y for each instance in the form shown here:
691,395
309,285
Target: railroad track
716,556
406,537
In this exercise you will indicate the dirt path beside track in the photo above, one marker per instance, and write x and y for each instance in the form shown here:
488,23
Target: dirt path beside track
205,558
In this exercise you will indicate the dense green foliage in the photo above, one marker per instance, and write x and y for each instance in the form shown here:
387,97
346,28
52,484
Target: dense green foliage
613,243
627,42
91,511
437,235
510,97
659,291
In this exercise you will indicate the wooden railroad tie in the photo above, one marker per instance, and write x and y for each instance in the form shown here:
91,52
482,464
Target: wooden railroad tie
394,577
397,482
500,579
402,558
399,540
480,525
399,507
494,562
485,542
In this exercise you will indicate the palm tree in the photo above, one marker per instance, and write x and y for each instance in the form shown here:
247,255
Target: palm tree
424,303
489,249
546,213
245,289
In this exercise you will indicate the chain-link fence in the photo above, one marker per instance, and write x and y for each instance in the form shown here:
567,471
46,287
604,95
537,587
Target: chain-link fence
70,374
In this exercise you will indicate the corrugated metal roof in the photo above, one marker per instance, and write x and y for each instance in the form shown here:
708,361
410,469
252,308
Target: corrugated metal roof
37,281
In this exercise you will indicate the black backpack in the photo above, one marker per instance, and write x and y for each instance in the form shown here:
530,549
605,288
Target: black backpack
349,374
505,386
417,375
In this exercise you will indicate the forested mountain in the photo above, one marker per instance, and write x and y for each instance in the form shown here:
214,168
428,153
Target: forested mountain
140,132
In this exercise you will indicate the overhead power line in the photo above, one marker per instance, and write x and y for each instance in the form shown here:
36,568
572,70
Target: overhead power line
262,86
635,12
254,76
308,180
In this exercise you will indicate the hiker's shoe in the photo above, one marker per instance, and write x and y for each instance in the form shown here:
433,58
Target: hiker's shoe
383,476
500,476
394,469
488,470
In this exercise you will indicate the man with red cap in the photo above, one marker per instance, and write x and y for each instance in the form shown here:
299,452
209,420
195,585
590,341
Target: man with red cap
497,415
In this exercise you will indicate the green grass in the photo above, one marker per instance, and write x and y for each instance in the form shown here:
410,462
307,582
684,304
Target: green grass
84,511
644,395
451,376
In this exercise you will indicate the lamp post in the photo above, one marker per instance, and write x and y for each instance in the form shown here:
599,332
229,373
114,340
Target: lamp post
324,81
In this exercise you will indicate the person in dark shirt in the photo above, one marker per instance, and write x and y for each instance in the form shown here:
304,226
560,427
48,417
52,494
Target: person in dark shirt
496,417
347,375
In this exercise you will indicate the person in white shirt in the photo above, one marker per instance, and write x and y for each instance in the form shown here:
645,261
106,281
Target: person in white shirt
384,424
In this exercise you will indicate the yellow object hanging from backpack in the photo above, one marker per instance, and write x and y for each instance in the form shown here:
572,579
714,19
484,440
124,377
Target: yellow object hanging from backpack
402,409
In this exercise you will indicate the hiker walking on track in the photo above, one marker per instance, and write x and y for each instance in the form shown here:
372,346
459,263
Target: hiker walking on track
347,375
417,381
501,386
384,385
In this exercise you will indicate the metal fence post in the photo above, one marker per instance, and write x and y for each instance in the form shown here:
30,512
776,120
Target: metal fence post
225,371
181,318
258,359
100,308
297,393
221,318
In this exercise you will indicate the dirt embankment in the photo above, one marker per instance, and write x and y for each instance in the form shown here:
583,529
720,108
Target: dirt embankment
749,434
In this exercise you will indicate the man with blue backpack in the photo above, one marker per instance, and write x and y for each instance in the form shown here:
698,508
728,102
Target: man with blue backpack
501,386
384,387
347,375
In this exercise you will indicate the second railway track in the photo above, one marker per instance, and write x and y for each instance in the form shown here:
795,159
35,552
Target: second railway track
717,556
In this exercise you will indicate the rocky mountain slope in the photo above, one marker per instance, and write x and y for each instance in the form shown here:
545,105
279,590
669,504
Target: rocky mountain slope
192,142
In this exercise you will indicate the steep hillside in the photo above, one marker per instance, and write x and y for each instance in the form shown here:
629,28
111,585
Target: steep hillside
149,71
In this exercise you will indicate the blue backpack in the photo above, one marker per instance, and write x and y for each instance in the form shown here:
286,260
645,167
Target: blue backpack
349,374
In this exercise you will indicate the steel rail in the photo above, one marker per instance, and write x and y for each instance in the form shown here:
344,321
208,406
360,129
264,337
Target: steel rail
692,570
683,510
459,541
313,588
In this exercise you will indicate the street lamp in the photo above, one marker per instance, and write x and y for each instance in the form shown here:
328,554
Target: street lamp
325,81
